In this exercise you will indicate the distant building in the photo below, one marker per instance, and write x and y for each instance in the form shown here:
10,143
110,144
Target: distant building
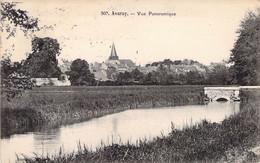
64,65
121,65
113,65
51,81
113,58
109,69
173,69
44,81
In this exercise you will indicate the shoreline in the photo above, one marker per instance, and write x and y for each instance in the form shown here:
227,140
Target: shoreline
36,109
234,139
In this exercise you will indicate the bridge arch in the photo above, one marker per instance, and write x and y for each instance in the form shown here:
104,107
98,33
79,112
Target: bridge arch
222,99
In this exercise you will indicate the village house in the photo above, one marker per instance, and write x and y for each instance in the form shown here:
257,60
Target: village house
113,65
64,81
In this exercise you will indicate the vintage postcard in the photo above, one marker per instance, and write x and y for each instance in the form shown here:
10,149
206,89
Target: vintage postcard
130,81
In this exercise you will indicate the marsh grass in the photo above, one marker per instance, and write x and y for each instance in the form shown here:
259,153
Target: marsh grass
228,141
67,105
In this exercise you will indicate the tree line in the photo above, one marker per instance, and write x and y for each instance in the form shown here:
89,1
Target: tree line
42,63
163,76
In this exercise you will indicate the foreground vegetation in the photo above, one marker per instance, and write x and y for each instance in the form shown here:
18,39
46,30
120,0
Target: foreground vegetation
229,141
55,106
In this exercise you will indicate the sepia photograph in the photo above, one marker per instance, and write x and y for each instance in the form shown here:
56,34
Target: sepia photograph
130,81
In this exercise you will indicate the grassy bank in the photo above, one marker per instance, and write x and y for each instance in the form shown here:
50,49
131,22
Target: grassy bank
66,105
249,95
229,141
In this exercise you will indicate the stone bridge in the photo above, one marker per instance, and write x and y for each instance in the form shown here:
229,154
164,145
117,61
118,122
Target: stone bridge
222,93
225,93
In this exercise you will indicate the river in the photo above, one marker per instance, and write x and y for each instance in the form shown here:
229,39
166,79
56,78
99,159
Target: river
127,126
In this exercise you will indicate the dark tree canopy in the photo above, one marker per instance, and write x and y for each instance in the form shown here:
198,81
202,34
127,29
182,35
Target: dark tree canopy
13,83
194,77
137,75
17,17
7,68
246,53
175,62
42,62
219,73
80,74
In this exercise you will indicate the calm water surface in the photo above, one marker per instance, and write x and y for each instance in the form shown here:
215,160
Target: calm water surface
130,125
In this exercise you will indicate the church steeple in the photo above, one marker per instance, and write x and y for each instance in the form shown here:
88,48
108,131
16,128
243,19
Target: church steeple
113,55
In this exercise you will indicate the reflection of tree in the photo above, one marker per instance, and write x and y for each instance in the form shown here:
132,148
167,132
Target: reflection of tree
47,134
6,132
114,122
116,136
47,141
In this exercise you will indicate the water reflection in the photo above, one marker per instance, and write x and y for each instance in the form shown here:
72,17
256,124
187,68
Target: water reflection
130,125
47,141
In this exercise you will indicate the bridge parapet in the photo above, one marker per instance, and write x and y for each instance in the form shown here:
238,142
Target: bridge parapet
228,93
216,93
249,87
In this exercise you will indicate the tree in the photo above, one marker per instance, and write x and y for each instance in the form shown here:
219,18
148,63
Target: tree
112,73
125,77
193,77
137,75
80,74
168,63
246,52
177,62
148,78
161,74
17,17
219,74
12,18
42,62
6,68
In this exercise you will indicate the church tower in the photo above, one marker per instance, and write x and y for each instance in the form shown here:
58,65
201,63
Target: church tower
113,58
113,55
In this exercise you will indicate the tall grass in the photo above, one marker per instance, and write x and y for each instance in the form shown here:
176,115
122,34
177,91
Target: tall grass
228,141
66,105
249,94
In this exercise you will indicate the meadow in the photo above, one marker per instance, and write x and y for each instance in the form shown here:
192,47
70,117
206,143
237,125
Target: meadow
55,106
232,140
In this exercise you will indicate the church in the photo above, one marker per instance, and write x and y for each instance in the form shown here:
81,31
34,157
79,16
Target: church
112,66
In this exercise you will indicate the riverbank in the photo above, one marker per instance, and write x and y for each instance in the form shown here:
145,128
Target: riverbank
229,141
54,106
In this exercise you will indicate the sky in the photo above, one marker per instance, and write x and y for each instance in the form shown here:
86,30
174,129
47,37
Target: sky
202,30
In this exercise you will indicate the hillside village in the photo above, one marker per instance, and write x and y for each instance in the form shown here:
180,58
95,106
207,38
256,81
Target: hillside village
111,69
107,70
